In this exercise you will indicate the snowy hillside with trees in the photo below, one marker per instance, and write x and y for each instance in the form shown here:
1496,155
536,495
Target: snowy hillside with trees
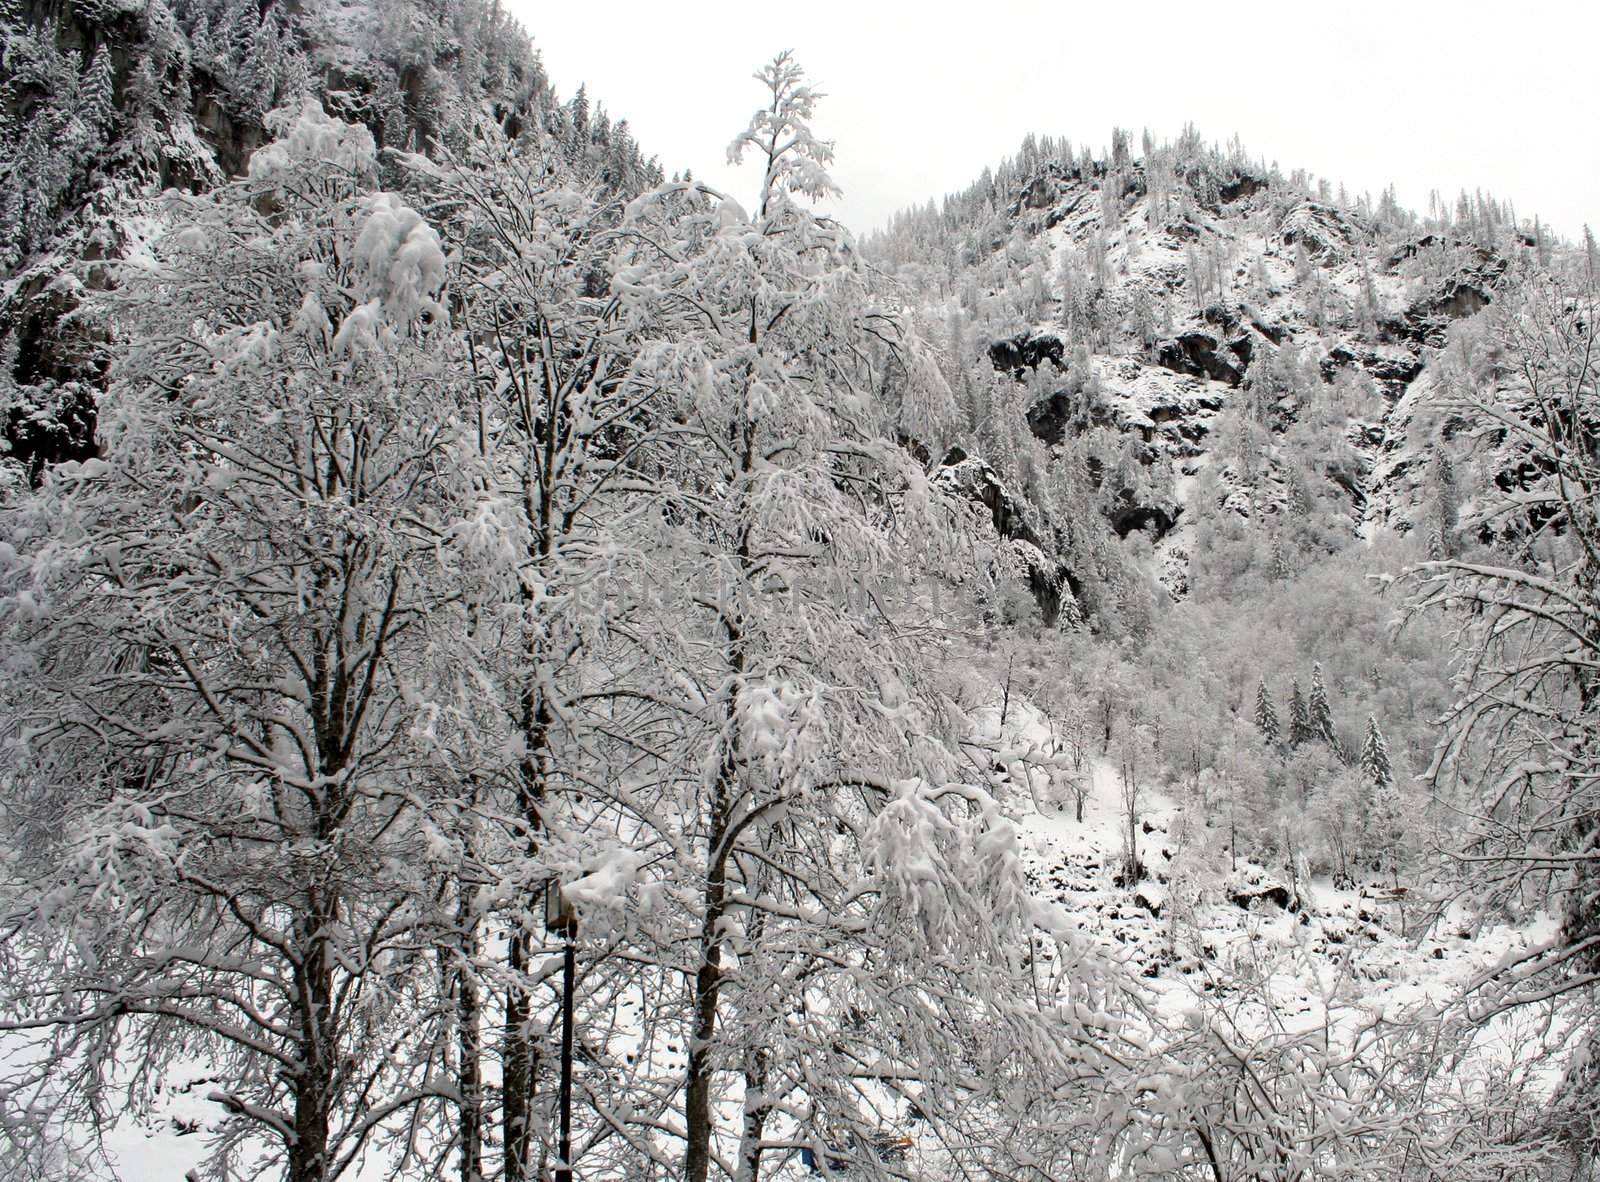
514,666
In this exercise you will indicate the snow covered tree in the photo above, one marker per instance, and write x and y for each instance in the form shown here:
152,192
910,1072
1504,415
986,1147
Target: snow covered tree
1338,809
1445,506
230,629
1319,714
563,437
1519,758
1300,729
1375,756
1134,751
1279,559
811,751
1266,716
99,92
1391,836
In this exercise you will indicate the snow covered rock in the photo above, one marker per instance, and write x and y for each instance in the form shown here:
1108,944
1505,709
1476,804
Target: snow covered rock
972,479
1328,234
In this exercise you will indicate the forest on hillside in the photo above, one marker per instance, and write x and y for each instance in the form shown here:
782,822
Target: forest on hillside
517,666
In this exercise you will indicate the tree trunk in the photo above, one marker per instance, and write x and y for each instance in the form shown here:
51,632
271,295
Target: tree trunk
697,1099
313,1082
520,1072
543,429
516,1102
308,1155
469,1040
757,1107
697,1117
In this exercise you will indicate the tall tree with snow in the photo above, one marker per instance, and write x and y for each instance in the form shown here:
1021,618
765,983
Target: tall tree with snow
1519,758
562,446
812,758
229,627
1375,756
1300,729
1319,714
1266,716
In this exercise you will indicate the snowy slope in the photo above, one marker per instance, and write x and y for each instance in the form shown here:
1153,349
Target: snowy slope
1193,931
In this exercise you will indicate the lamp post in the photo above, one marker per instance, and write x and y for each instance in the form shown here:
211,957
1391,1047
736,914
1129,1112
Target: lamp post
561,919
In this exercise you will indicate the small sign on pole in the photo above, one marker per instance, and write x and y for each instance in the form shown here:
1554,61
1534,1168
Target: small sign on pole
560,918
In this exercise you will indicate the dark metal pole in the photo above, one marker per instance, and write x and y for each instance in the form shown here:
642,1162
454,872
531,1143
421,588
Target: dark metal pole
568,970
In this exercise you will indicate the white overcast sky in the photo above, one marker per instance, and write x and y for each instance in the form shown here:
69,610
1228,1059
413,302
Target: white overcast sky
1449,94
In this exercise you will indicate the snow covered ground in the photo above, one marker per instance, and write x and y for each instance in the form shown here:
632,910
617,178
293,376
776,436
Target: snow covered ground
1333,955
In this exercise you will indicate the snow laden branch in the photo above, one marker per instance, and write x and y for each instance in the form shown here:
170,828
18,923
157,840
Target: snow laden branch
226,624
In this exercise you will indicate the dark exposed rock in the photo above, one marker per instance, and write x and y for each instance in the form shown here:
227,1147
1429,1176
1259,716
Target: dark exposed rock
1172,414
1048,418
1053,586
1477,257
1427,321
1065,210
1463,294
52,426
1241,187
1258,890
1385,367
1412,329
915,448
1040,193
1227,322
1410,250
58,364
1149,900
1273,332
1525,476
1184,228
972,478
201,130
1041,190
1454,301
232,137
1152,519
1183,422
1133,183
1198,353
1026,350
1051,416
1351,481
1367,435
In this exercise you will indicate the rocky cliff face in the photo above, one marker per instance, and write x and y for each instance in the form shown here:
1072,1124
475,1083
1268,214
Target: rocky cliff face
104,105
1253,344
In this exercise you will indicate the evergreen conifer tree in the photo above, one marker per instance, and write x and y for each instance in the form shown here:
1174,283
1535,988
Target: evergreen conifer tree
1320,714
1446,504
1375,756
1280,560
99,92
1386,830
1299,719
1266,715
